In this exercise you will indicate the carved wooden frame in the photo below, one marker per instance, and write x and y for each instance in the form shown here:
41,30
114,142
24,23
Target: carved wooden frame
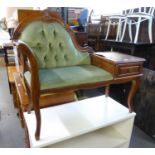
35,92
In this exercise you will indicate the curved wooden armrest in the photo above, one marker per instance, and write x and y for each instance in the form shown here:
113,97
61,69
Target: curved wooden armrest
103,63
31,64
34,89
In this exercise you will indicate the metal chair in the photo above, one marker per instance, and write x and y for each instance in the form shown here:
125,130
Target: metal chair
117,20
136,18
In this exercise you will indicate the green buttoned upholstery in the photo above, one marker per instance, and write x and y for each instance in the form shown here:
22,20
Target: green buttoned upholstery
60,63
52,45
70,76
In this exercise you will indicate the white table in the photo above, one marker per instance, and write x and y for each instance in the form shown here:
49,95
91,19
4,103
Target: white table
94,122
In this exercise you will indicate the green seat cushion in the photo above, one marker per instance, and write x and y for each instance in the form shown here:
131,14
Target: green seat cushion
70,76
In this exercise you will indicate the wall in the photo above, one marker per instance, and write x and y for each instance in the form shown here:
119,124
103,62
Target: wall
12,11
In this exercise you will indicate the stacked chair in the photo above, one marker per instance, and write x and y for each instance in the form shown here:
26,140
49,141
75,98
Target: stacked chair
118,21
131,18
136,18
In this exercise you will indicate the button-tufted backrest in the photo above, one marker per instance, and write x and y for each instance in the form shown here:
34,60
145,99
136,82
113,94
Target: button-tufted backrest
52,45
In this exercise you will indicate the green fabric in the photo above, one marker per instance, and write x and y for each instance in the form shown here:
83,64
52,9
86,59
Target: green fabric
52,45
70,76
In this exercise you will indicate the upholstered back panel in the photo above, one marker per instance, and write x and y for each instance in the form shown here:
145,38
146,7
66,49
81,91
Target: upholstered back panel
52,45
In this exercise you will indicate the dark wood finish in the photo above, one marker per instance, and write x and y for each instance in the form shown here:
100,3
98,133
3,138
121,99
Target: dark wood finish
124,68
34,91
82,38
94,35
126,45
140,49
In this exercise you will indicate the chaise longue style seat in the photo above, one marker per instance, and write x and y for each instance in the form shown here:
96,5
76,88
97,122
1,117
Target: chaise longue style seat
53,62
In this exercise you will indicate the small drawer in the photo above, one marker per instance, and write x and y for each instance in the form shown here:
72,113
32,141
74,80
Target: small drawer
128,70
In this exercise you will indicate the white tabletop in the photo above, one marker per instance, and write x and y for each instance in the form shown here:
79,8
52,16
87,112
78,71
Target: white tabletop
69,120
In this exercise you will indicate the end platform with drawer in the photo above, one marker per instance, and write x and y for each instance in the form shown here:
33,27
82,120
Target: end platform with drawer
125,68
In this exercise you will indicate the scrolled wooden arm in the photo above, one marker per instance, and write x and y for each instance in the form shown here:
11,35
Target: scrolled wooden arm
26,53
103,63
34,88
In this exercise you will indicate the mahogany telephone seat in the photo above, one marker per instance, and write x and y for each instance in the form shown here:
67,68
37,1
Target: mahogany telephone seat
53,62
